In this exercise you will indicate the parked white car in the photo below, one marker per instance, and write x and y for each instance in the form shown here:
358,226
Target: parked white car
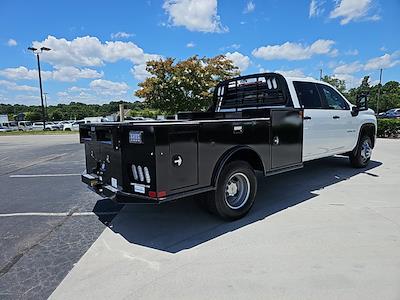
73,126
50,126
25,126
13,126
4,127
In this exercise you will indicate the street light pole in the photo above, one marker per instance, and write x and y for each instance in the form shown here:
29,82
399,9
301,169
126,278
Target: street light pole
45,104
35,51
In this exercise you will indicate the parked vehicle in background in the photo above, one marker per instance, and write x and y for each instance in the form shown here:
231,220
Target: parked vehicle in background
393,113
73,126
4,127
13,126
50,126
37,126
25,126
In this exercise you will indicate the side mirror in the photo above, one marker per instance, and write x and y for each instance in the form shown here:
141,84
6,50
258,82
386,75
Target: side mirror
362,102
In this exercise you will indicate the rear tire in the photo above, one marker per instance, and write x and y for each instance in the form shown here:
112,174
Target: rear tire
360,157
235,193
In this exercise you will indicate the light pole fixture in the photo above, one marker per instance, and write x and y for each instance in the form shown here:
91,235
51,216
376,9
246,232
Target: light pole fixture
37,52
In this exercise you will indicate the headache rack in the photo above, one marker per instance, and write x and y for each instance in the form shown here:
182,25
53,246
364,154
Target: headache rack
252,91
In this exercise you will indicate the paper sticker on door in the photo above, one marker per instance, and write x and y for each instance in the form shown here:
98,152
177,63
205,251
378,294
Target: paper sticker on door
139,188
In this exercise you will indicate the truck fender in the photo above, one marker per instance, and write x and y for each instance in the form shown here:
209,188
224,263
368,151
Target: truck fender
368,128
244,153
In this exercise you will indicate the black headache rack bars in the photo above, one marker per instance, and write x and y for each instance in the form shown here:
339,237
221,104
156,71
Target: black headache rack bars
255,91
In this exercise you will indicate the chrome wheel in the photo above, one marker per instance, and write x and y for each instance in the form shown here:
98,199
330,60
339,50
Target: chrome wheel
237,190
366,151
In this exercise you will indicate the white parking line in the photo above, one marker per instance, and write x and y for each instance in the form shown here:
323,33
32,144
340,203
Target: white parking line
61,214
44,175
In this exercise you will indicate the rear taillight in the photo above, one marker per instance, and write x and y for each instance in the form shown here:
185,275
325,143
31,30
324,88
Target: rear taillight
146,174
135,173
141,174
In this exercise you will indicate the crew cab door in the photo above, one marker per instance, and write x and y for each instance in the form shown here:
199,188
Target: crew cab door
316,141
341,124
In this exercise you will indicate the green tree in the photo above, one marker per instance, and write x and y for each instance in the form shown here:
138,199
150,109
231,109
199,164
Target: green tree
56,115
185,85
33,116
339,84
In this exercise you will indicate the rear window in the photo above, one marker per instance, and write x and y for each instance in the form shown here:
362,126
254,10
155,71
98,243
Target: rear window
251,92
308,95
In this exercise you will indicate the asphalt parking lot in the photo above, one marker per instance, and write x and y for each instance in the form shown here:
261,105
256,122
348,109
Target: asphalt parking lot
325,231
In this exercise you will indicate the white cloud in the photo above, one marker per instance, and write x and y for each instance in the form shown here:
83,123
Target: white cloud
239,60
350,80
12,43
195,15
67,74
352,10
190,45
89,51
353,52
349,68
295,51
383,62
291,73
250,7
140,72
316,8
121,35
15,87
232,46
106,87
70,74
20,73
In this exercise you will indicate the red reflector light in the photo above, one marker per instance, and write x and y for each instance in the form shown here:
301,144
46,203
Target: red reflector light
157,194
161,194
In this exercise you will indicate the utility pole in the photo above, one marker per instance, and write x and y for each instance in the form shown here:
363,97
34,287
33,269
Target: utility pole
379,91
45,104
320,74
37,52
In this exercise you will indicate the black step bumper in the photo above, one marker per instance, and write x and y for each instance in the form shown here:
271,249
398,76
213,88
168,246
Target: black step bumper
115,194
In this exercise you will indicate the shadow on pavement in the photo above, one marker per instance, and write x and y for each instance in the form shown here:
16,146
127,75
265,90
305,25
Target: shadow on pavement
175,226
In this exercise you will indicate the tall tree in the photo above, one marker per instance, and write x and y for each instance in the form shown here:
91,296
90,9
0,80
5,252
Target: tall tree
184,85
339,84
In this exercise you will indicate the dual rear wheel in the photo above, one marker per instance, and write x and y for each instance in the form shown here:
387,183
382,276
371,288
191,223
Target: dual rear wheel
235,193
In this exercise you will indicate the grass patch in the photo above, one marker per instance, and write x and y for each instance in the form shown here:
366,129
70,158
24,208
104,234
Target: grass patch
39,132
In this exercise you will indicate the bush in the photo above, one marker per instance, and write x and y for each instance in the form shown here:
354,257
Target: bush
388,127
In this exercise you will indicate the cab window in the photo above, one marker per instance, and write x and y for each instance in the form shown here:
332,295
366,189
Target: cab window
308,95
332,98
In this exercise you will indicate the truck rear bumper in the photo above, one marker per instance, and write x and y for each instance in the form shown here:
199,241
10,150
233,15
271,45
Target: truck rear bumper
115,194
119,196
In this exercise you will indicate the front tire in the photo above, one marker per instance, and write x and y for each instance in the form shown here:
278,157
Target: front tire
236,191
360,157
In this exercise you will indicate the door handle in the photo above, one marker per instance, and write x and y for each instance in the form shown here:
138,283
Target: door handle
336,117
307,118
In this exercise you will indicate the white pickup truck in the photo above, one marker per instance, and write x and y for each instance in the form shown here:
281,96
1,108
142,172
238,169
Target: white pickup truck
262,122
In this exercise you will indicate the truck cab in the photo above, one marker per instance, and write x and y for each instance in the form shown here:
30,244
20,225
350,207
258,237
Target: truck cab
263,122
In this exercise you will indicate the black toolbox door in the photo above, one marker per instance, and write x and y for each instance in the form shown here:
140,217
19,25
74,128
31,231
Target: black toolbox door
286,137
183,153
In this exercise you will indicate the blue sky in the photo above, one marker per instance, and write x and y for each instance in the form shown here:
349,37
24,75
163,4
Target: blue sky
99,48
